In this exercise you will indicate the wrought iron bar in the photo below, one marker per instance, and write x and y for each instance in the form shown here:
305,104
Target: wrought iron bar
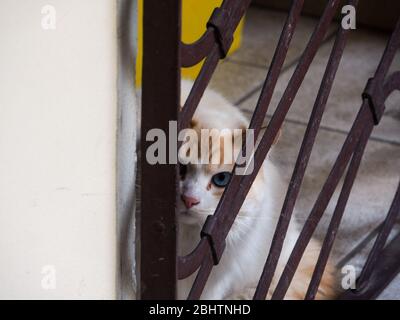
161,88
192,54
239,186
301,163
223,22
363,125
380,242
276,67
336,219
374,98
161,96
383,273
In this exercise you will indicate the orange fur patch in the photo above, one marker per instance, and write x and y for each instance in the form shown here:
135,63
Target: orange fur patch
328,286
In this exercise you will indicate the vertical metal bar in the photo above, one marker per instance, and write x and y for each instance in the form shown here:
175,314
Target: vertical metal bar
160,103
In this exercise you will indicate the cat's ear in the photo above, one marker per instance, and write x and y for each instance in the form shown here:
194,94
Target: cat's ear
278,135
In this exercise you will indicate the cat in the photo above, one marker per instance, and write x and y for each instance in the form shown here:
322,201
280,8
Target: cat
247,244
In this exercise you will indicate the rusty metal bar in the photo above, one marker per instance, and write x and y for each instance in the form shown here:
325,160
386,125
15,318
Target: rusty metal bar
187,265
192,54
370,113
190,263
376,93
336,219
198,88
301,164
223,23
160,101
380,242
361,245
363,125
382,274
276,67
239,186
201,278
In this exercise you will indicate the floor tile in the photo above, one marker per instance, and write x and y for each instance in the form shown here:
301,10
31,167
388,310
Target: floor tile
372,193
392,292
359,63
261,34
234,80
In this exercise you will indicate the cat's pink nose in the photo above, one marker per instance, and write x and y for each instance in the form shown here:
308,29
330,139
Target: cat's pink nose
189,201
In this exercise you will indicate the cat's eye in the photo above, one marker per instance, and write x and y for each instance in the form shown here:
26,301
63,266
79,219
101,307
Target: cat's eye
221,179
182,171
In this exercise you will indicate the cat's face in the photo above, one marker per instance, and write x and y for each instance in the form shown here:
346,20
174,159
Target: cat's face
201,188
202,184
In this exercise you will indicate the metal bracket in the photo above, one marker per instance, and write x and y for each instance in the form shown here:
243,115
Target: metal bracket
219,20
373,92
217,247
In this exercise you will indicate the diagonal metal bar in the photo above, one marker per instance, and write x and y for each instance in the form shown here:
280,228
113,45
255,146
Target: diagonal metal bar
201,278
203,256
362,125
239,186
384,272
193,261
301,164
231,12
336,219
198,88
380,242
189,263
276,67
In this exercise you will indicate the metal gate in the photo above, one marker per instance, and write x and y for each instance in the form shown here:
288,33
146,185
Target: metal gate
164,55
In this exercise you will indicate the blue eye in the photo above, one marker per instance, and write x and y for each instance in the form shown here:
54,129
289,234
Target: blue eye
221,179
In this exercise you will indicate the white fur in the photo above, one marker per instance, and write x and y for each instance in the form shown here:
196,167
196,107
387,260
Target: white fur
249,240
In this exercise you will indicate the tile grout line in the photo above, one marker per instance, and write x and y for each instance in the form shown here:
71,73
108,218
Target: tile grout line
248,95
284,69
331,129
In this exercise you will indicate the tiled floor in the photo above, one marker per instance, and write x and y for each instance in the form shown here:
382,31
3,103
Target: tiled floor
240,77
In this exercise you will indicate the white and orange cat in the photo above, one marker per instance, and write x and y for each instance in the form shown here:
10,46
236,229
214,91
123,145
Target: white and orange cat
247,244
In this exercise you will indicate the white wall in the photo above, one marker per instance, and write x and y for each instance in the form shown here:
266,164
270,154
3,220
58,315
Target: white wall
58,124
